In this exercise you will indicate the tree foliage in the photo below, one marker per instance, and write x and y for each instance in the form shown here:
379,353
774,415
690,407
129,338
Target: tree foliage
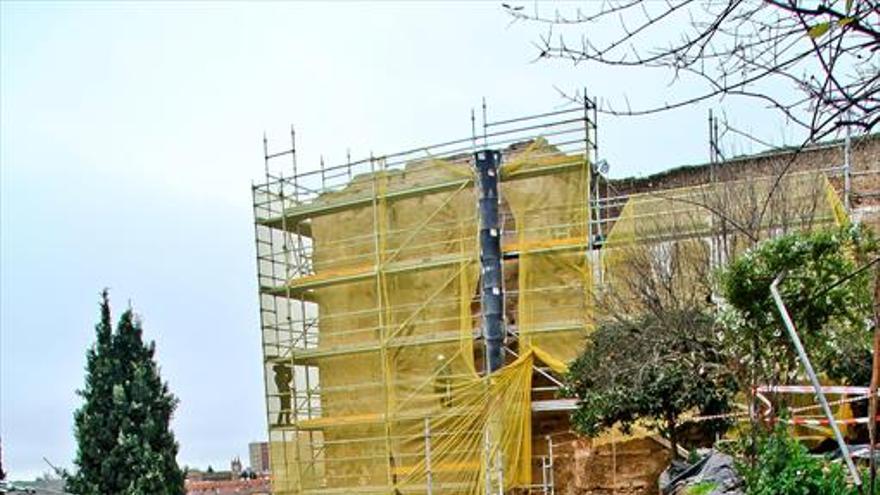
125,444
829,302
652,368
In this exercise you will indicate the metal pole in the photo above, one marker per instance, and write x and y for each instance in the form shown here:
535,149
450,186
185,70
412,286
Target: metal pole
717,145
544,488
593,184
473,131
487,446
430,477
293,162
711,147
550,465
499,466
802,354
485,114
266,158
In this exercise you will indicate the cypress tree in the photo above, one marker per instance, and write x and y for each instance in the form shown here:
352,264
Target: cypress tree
94,420
125,444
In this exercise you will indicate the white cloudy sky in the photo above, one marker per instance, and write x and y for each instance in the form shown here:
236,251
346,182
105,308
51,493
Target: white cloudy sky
129,136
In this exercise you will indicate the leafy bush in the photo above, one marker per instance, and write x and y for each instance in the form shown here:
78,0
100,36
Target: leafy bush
784,467
830,315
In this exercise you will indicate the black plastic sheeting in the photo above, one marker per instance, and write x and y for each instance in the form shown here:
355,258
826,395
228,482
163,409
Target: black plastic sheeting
715,469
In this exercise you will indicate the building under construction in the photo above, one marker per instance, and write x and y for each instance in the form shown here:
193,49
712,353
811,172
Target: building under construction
418,309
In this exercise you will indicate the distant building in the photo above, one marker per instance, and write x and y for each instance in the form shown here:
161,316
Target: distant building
236,481
210,474
259,454
229,487
235,468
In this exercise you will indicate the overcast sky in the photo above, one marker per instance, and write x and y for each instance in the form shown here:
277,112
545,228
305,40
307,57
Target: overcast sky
129,137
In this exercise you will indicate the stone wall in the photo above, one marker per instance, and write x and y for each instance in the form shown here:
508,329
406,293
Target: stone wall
828,157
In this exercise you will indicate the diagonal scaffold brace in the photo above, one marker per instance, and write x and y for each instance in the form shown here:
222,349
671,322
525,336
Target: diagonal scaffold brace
814,380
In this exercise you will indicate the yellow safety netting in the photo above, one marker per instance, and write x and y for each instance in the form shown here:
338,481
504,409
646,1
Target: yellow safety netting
663,245
387,390
393,370
547,194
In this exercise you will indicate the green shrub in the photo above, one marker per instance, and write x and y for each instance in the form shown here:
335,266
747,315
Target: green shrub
829,314
783,466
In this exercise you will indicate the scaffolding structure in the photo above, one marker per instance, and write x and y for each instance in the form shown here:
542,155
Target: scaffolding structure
380,280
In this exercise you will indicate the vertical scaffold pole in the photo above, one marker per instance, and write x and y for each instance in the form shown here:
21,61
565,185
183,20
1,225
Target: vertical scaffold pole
492,298
552,481
545,488
487,461
499,468
429,476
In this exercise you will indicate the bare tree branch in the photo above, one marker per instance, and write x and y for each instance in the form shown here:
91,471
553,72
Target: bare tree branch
736,48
